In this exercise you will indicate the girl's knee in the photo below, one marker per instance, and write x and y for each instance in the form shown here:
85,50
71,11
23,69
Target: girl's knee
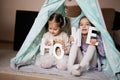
46,66
61,66
46,62
69,67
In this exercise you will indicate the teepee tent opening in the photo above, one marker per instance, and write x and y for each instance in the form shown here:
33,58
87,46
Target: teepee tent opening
91,9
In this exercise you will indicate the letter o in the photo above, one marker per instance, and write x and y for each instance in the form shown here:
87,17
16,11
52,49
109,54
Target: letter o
54,51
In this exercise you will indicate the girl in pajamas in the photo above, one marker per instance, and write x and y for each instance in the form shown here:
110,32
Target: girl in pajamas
55,35
83,57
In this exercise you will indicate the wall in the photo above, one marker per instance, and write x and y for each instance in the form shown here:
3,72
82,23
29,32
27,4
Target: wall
8,10
110,4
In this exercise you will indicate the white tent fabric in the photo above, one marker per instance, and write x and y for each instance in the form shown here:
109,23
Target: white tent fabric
91,9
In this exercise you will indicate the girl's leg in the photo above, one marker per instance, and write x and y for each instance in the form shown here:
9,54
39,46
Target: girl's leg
75,70
47,61
89,55
93,61
62,63
79,56
84,64
37,60
72,56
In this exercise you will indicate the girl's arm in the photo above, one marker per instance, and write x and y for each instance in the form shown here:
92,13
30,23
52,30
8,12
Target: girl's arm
66,45
100,46
48,41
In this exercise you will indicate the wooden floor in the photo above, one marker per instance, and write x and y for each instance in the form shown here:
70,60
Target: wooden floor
19,77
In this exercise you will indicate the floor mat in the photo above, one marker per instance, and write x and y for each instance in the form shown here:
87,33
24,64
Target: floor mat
6,55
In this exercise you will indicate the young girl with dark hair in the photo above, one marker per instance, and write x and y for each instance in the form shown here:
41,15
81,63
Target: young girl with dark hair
86,56
53,36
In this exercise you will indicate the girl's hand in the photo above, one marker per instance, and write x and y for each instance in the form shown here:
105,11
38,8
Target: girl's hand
48,43
71,39
64,48
63,45
93,41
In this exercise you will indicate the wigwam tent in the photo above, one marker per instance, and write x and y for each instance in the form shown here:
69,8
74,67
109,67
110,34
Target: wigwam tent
91,9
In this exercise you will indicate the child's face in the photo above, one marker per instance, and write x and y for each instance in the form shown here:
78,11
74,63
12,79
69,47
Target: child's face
58,51
84,25
54,28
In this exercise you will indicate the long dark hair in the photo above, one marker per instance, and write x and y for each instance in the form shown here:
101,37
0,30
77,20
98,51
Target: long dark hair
88,20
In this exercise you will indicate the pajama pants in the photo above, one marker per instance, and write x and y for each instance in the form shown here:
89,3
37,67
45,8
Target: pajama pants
84,60
49,61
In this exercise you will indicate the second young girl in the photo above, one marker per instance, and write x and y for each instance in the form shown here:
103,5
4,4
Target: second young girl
83,57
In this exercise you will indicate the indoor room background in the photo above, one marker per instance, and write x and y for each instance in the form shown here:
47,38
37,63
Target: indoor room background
8,10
